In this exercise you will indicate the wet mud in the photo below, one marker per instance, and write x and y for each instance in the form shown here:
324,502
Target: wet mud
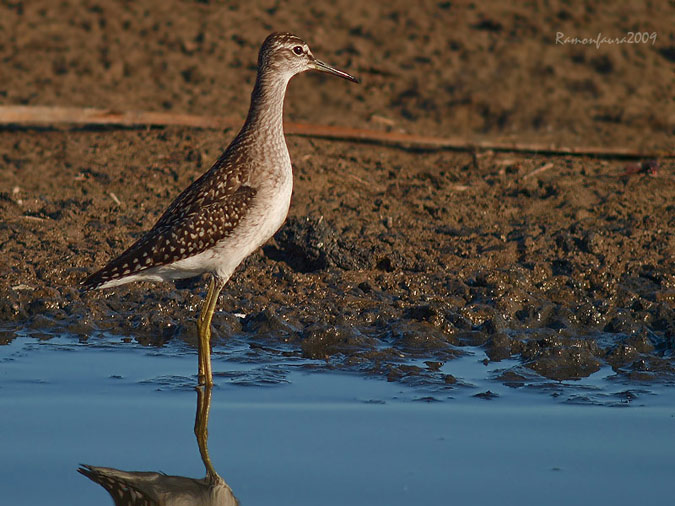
391,261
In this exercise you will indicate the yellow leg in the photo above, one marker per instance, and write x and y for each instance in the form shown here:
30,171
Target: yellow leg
202,430
204,327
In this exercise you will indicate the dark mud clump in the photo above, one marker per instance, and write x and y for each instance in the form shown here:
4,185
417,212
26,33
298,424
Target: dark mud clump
309,244
391,262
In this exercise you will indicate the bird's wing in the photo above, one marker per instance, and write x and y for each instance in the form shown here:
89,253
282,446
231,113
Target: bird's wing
182,234
121,485
218,184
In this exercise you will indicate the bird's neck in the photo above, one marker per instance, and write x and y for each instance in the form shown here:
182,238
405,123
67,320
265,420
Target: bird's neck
266,114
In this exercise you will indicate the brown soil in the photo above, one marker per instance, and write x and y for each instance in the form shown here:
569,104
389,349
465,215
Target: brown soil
387,255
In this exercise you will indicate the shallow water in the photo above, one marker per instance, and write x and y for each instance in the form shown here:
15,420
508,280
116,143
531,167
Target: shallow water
282,434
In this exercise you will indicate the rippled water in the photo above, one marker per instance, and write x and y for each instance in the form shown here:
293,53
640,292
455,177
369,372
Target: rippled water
283,433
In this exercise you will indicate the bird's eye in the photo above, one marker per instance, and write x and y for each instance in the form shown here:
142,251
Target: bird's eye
298,50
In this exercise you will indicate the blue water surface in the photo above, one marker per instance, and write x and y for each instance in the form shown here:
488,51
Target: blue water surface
282,435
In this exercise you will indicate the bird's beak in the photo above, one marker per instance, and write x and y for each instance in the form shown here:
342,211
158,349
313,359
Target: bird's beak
324,67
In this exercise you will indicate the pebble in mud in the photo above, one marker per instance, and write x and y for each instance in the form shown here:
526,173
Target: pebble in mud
500,346
560,359
321,341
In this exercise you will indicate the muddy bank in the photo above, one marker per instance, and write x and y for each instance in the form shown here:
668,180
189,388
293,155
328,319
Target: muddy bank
390,259
387,256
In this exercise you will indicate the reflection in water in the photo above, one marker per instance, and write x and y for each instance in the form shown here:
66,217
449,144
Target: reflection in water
139,488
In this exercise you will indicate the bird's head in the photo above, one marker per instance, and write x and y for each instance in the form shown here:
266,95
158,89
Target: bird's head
288,54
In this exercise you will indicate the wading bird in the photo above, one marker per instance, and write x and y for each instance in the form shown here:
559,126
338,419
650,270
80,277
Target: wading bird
233,208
